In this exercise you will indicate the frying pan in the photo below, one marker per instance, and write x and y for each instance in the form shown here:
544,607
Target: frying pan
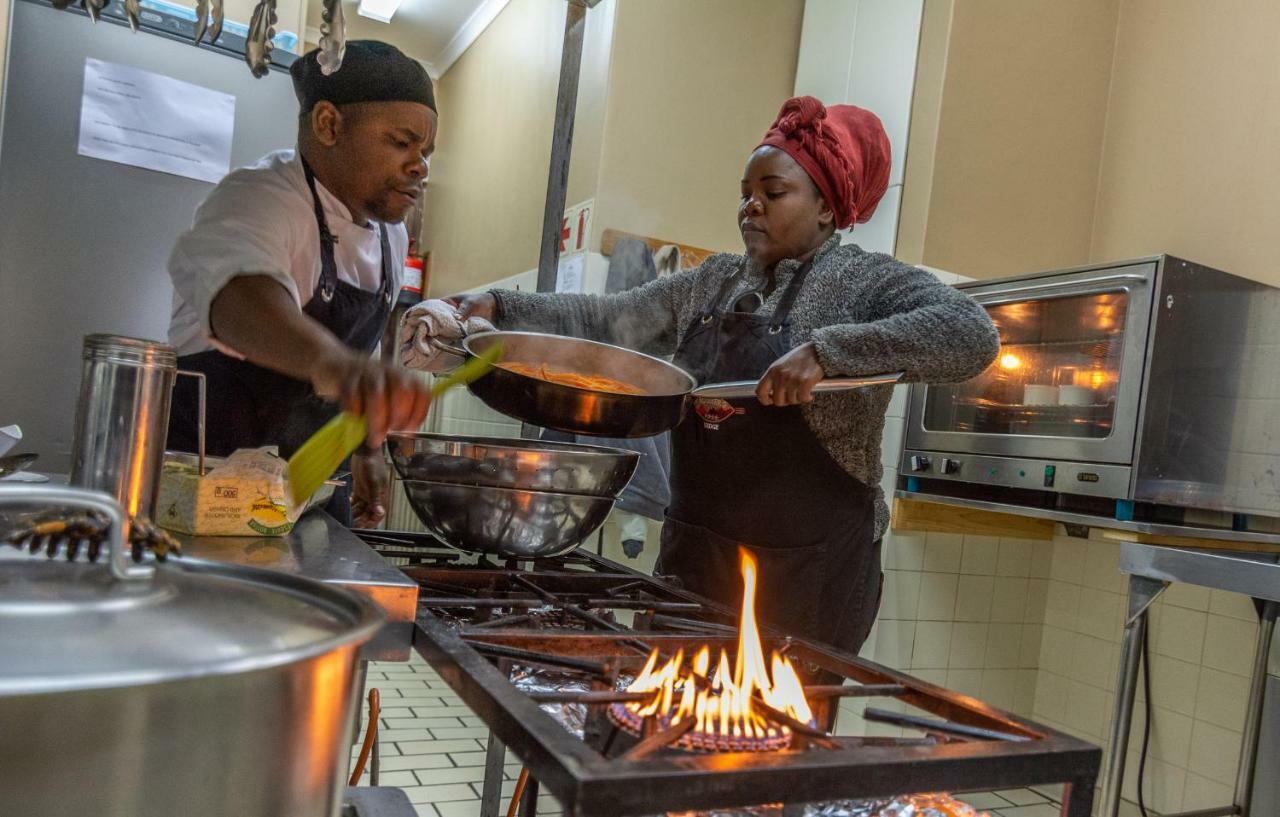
667,388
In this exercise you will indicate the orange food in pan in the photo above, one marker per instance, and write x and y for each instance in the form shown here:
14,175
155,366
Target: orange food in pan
582,381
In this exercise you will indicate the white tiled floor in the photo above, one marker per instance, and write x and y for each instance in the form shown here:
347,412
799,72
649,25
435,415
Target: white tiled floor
432,745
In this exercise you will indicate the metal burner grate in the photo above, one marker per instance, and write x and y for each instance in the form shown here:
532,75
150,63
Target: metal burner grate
594,623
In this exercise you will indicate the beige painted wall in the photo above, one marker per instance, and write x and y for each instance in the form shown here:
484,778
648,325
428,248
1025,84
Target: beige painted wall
1190,164
489,174
693,87
922,137
673,97
1019,130
1047,134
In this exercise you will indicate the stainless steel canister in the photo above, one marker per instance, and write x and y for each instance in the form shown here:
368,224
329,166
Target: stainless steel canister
122,418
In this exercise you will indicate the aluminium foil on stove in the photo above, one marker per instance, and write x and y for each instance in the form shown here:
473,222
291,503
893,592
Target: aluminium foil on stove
915,805
571,716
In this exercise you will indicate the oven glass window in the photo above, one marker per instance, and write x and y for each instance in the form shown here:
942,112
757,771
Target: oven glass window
1056,375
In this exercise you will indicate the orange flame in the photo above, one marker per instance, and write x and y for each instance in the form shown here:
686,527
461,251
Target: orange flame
724,703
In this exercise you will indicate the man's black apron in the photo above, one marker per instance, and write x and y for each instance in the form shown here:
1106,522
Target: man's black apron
756,476
250,406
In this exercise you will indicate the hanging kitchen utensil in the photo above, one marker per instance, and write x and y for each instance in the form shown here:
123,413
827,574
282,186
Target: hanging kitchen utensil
333,37
667,389
200,671
133,12
202,19
94,8
257,46
320,456
219,15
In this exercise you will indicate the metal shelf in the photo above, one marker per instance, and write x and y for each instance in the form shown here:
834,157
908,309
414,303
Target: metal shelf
1094,521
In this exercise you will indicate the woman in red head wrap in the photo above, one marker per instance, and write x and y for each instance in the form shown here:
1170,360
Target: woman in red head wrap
792,475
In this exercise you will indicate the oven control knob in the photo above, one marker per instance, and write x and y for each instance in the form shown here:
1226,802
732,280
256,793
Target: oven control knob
950,466
919,463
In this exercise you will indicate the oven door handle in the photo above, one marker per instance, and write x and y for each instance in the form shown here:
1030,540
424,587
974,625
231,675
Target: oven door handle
1089,285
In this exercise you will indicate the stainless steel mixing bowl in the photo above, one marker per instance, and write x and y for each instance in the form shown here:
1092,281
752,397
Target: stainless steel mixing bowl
506,522
496,462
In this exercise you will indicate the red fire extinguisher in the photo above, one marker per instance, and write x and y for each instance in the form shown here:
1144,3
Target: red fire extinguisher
412,284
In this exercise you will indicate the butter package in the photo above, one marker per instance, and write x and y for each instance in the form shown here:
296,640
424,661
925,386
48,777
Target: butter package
243,495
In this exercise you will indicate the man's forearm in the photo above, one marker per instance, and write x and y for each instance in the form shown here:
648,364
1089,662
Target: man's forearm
256,316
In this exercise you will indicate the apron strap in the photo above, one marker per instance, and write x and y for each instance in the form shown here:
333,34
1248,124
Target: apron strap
387,269
328,266
726,287
783,312
780,315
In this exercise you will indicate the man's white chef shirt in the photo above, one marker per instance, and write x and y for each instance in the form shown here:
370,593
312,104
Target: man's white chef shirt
260,220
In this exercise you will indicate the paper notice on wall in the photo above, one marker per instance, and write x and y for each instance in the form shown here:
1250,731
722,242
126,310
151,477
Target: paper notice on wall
148,120
569,275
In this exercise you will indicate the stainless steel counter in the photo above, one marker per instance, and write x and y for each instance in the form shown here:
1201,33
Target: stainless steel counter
1253,574
1094,521
319,548
1151,568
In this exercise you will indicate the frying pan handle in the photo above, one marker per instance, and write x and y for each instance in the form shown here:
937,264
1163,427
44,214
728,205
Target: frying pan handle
747,388
444,347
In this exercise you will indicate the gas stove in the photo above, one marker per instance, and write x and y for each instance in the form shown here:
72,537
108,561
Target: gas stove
543,652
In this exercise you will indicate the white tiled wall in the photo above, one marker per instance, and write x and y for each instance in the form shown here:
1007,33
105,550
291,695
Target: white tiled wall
1202,644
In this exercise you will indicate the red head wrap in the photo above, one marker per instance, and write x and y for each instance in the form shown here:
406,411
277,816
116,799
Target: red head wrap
844,149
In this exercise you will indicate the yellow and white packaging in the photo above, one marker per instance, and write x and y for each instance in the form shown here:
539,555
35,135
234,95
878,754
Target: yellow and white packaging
243,495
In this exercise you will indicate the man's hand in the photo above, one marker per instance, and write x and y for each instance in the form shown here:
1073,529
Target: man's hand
791,378
256,316
370,488
388,397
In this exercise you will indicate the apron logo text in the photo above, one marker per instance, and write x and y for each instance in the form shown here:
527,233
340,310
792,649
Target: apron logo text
714,411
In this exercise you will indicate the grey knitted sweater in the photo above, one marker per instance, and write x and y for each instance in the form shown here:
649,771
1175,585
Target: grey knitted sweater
866,313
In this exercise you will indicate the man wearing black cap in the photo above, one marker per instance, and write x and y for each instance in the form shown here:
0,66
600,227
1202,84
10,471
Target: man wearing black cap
284,284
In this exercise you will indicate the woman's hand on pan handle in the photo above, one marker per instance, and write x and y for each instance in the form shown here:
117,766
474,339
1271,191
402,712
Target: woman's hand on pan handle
791,378
480,305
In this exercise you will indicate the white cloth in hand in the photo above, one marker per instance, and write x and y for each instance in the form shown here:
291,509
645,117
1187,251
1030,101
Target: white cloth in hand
428,329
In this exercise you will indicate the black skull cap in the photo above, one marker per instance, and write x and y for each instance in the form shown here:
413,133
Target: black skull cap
371,71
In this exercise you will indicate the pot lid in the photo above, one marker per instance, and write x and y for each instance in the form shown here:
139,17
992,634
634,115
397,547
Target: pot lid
70,626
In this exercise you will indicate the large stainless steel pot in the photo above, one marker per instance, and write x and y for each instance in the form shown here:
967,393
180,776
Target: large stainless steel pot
668,389
192,688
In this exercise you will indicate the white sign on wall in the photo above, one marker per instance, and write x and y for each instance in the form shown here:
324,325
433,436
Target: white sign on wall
569,276
148,120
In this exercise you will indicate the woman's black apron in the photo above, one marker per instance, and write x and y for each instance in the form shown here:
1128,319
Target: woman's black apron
745,474
250,406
